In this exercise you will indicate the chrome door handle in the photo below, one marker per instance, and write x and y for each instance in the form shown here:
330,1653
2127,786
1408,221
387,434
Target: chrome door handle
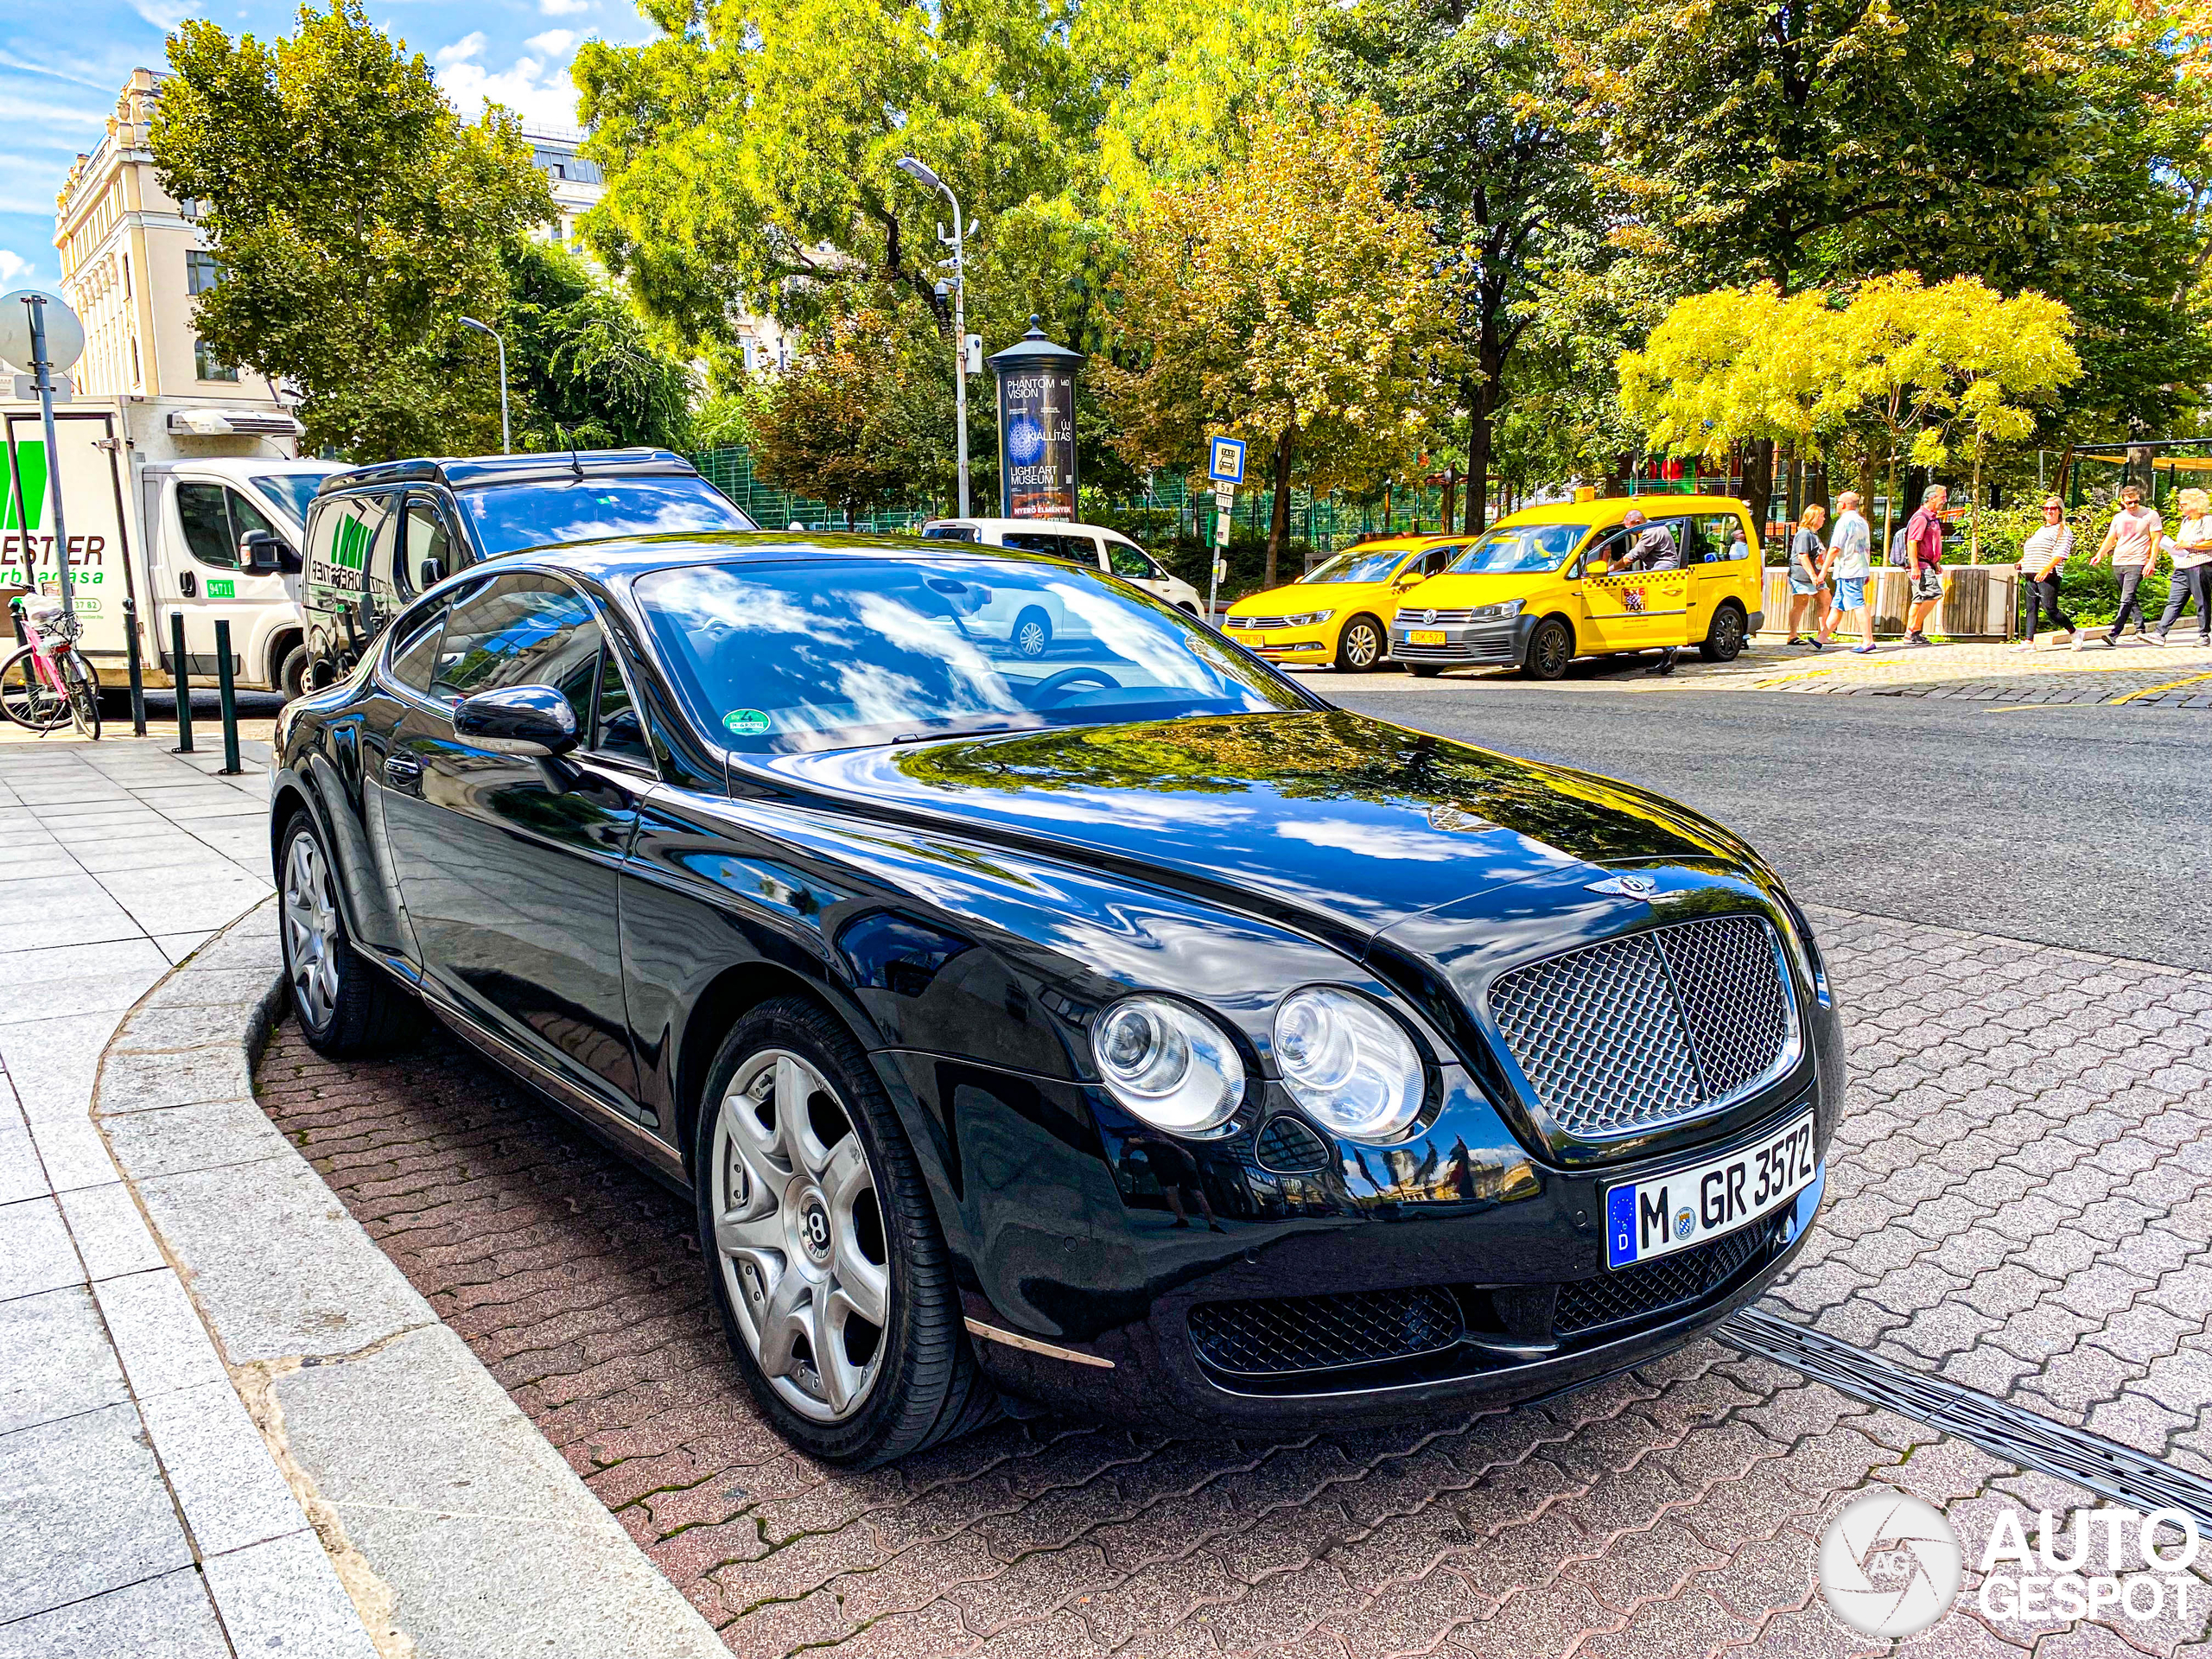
403,771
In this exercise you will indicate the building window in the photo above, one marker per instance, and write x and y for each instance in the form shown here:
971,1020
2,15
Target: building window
202,271
138,374
126,276
207,366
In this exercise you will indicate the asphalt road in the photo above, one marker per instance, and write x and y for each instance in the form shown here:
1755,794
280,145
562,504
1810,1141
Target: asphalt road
2086,825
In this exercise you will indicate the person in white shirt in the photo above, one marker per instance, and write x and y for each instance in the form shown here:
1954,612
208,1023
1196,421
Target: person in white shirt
2192,556
2042,563
1847,566
2132,544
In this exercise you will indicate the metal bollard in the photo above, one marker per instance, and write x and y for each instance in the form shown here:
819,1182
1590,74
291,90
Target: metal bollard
228,695
180,678
137,668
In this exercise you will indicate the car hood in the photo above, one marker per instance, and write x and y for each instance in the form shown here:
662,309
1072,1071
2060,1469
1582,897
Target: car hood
1452,592
1300,597
1326,817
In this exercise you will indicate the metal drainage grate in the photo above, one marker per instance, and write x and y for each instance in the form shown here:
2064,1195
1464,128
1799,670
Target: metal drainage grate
1653,1287
1319,1333
1289,1148
1651,1028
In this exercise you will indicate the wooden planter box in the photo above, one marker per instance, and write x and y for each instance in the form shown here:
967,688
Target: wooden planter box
1981,601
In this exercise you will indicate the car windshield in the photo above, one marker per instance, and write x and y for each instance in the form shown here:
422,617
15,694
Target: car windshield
1358,564
1522,549
507,517
292,491
777,658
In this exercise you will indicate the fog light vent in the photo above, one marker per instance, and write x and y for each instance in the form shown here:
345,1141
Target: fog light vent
1316,1333
1289,1148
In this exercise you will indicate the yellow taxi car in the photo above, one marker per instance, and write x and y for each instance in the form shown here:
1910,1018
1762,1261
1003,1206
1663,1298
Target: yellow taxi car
1539,589
1337,614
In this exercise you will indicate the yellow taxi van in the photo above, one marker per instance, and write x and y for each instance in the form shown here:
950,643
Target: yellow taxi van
1539,589
1337,615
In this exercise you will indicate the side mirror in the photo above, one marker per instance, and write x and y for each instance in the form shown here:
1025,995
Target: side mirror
1597,568
430,573
264,553
517,719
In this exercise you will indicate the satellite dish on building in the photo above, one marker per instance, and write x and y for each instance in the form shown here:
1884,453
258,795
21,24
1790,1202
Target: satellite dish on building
65,336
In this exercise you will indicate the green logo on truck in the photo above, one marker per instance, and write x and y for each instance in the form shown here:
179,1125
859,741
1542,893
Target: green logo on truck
351,551
30,468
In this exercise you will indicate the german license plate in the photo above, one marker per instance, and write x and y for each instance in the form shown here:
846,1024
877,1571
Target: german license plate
1699,1203
1426,637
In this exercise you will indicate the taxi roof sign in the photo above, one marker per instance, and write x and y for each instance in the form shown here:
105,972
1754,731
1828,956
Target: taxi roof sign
1225,459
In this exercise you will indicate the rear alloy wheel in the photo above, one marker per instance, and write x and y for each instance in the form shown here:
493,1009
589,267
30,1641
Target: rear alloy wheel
292,673
345,1005
1551,648
1033,632
1359,648
835,1290
1724,640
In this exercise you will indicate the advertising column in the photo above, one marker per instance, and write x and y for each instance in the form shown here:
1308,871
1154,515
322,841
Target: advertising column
1037,466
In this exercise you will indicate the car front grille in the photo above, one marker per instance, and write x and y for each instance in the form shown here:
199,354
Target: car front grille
1428,618
1313,1333
1259,622
1651,1028
1476,648
1653,1287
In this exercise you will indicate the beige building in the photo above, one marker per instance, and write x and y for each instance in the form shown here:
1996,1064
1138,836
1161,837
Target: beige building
131,261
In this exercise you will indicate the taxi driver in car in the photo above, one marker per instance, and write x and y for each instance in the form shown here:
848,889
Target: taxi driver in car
1652,547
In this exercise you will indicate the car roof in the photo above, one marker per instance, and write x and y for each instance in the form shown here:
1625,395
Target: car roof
1023,524
1609,509
475,472
629,557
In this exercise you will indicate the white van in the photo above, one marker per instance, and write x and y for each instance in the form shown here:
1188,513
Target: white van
1092,544
184,507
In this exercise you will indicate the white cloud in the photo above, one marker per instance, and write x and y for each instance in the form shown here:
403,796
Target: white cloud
554,42
461,51
541,94
1376,840
164,15
13,268
564,8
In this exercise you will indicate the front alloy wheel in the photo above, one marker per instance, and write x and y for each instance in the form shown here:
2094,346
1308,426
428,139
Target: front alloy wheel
311,940
1551,648
1361,647
346,1005
799,1233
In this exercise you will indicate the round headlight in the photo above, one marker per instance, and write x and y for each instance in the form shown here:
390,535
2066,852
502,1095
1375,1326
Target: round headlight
1347,1063
1171,1066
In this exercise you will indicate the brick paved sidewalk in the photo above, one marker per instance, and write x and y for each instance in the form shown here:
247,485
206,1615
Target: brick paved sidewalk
2014,1202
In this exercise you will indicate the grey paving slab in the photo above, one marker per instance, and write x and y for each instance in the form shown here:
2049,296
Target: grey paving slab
169,1617
94,924
207,904
279,1265
138,1082
215,1134
82,1510
200,987
54,1061
21,1173
161,1343
61,1363
72,1152
284,1597
35,1254
220,1469
55,966
103,992
112,1237
27,864
177,946
161,1026
439,1479
165,847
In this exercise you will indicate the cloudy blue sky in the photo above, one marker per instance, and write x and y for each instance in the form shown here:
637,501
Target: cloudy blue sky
62,62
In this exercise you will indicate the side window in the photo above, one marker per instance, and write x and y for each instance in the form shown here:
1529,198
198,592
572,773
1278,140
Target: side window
1080,549
415,653
1684,532
523,630
1716,533
346,531
618,730
206,519
1436,559
421,534
1130,563
1608,544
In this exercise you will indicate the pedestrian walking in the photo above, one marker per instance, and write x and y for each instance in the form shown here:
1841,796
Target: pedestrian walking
2042,563
1848,565
2192,558
1923,556
2132,544
1805,560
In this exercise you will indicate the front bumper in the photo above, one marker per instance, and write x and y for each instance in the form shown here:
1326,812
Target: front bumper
1478,645
1313,644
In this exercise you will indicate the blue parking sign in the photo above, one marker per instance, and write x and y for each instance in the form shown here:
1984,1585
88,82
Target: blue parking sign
1225,459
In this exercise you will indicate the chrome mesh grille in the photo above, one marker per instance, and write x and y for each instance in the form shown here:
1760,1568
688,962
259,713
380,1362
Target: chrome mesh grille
1651,1028
1312,1334
1652,1288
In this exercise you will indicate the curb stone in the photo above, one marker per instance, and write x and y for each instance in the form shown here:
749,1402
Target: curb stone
453,1526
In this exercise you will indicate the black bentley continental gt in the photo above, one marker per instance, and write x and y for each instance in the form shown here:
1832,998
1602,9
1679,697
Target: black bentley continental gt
1121,1028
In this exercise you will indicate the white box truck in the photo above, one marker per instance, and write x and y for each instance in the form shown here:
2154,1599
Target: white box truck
182,507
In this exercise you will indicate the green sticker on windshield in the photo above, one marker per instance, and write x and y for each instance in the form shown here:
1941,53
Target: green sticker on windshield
745,723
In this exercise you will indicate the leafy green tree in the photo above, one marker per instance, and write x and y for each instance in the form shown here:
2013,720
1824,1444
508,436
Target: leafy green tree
357,218
1290,301
1483,138
584,373
863,419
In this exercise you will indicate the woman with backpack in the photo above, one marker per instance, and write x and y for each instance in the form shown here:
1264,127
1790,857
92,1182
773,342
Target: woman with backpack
1805,551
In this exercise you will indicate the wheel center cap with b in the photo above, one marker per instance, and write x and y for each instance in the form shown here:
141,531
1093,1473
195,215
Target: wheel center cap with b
814,1229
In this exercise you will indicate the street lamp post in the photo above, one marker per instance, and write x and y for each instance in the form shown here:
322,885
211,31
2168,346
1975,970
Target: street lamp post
506,438
929,180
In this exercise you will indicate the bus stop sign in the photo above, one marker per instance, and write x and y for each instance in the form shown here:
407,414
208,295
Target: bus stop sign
1225,460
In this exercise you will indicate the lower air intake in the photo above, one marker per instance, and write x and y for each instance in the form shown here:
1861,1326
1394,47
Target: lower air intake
1318,1334
1654,1287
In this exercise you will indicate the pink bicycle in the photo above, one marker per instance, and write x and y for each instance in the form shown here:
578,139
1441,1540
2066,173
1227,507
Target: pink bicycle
47,681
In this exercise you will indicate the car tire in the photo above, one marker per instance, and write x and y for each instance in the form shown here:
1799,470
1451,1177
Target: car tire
1724,639
292,673
347,1006
1361,645
1424,671
850,1229
1033,632
1551,648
